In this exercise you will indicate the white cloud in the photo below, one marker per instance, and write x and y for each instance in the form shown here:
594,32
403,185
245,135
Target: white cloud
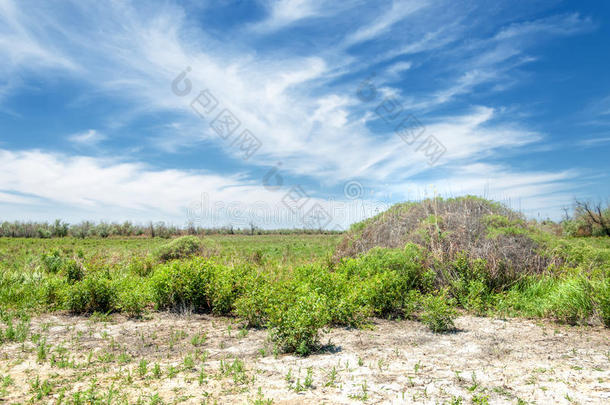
567,24
90,137
21,47
78,187
285,12
595,141
390,16
398,67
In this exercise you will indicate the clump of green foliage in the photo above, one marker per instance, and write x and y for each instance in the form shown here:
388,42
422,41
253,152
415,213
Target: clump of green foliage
571,301
439,312
295,320
93,294
179,248
196,284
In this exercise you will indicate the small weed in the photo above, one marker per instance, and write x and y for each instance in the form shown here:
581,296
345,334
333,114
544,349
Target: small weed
142,367
332,377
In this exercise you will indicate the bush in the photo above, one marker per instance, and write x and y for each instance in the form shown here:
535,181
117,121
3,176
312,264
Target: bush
383,281
141,266
179,248
385,293
53,262
408,263
296,319
44,233
439,312
92,294
444,228
253,305
55,291
183,285
73,270
132,296
343,294
470,283
196,284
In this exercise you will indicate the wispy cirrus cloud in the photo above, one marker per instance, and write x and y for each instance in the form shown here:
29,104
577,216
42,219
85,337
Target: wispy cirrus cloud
90,137
389,16
594,141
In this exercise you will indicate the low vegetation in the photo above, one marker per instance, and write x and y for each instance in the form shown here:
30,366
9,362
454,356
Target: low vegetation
424,261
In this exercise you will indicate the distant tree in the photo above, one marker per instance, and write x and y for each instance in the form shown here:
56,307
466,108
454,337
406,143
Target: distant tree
594,216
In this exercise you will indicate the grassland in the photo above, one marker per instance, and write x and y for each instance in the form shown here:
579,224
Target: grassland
251,319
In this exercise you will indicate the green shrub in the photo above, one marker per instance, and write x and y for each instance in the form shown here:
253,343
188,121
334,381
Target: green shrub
141,266
183,285
44,233
133,295
386,293
349,307
346,303
179,248
571,301
295,320
469,282
439,312
227,284
92,294
73,270
52,262
253,304
55,291
407,263
382,280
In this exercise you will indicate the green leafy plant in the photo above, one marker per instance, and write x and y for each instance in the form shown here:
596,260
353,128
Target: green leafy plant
439,312
93,293
295,321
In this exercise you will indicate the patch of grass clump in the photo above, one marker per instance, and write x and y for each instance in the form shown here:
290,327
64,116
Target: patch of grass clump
602,297
571,300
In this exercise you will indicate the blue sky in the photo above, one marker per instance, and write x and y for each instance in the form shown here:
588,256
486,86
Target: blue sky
348,107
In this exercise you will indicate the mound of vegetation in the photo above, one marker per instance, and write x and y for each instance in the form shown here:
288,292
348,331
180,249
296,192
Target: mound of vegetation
485,232
180,248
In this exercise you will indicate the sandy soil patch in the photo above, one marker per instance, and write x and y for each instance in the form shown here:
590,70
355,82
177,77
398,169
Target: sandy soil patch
203,359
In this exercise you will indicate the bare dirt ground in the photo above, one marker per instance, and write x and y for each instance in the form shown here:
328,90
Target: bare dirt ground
203,359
